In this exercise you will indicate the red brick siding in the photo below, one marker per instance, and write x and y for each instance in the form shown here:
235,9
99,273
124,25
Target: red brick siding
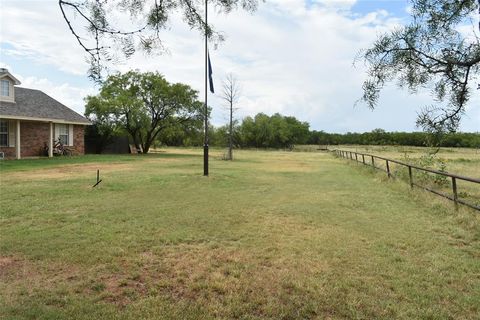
8,152
78,140
34,134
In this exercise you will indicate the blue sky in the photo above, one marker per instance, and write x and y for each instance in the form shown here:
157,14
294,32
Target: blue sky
291,56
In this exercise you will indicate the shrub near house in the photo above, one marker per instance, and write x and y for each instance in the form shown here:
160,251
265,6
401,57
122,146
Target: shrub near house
30,119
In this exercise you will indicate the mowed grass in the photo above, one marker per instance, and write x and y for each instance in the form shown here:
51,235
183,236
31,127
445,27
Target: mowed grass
274,235
460,161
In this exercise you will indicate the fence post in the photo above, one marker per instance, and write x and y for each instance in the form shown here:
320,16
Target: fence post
410,175
388,169
363,158
373,162
356,157
455,195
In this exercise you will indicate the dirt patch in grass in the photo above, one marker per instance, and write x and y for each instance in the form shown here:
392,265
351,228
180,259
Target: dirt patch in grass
22,279
289,166
67,171
78,170
218,276
7,264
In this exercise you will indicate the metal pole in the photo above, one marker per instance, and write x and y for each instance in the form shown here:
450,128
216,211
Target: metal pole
205,142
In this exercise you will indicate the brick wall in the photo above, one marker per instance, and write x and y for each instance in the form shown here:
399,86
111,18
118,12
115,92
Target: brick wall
34,134
78,140
9,152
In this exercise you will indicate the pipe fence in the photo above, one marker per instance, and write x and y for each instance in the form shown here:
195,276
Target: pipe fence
385,164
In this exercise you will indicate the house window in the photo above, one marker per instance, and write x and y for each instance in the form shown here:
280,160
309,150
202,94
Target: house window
3,133
63,133
5,88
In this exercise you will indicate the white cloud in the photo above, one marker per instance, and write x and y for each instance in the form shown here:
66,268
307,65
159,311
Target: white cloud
290,57
37,32
69,95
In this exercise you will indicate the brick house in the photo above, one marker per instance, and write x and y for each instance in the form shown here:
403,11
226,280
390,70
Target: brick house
30,119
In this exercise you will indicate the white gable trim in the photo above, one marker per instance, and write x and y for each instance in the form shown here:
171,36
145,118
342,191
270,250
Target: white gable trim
6,74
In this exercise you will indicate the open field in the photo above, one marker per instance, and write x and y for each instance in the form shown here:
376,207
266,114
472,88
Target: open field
279,235
462,161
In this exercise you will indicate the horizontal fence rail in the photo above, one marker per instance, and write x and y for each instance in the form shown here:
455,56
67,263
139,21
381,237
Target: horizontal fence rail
374,162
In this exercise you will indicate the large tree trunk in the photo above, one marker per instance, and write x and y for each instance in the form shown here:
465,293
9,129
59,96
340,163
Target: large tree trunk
146,147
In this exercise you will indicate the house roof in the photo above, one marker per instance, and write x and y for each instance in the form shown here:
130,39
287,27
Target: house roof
36,105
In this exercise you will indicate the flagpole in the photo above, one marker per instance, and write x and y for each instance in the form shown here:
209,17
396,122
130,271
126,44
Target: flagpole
205,143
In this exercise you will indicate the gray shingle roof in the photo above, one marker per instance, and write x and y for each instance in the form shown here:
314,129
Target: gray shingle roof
32,103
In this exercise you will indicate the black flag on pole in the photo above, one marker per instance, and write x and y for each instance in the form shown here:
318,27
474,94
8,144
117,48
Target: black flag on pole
210,79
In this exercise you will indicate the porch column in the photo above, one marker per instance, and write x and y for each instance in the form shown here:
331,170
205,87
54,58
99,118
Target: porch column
50,141
17,141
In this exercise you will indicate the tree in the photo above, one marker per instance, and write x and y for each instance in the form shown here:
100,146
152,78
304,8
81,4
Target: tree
231,94
106,41
144,104
431,52
276,131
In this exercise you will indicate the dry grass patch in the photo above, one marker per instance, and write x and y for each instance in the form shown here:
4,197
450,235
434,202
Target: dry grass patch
67,171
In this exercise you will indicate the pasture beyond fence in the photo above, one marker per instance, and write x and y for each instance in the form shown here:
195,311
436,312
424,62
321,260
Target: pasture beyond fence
385,164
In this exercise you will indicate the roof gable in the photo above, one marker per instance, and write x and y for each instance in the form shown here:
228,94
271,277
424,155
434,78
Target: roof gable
4,74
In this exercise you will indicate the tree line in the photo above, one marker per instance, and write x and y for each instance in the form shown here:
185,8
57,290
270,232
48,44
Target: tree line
382,137
280,132
153,112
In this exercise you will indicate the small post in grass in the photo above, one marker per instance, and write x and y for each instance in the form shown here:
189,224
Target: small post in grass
455,194
98,179
410,175
388,168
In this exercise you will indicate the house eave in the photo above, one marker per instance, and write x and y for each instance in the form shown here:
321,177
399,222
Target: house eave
45,120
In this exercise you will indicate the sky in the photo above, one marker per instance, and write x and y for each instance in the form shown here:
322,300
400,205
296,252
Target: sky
294,57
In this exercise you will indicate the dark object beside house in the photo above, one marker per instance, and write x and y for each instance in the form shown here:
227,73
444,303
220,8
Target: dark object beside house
118,145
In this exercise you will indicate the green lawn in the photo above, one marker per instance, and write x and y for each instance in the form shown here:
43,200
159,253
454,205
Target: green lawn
274,235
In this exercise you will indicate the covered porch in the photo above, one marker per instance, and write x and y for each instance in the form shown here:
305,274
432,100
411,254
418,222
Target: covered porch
22,138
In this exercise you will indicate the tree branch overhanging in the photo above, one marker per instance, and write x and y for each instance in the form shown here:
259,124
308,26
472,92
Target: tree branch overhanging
428,53
104,42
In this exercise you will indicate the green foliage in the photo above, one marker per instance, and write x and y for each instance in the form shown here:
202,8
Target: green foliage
276,131
144,105
381,137
429,161
430,52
